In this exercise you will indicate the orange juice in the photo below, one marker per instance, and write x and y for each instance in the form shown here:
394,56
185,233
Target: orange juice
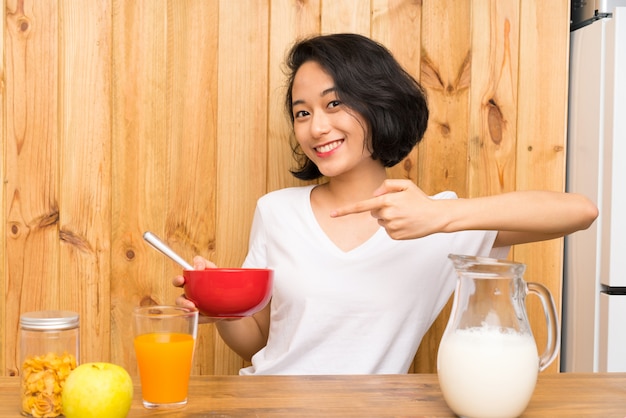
164,361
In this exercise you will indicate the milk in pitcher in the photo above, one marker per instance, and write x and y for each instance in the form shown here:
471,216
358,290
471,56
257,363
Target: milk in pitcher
488,371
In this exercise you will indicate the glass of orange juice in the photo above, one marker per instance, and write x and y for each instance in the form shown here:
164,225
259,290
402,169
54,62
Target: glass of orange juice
165,338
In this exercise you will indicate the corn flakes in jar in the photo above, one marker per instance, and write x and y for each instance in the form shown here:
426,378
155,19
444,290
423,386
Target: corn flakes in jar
49,351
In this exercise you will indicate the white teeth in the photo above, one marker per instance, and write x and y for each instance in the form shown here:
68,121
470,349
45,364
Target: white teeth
328,147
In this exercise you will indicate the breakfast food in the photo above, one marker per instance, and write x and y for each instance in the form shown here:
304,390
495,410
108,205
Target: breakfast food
43,378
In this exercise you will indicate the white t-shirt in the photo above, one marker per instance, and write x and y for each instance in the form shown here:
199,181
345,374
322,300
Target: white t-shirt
364,311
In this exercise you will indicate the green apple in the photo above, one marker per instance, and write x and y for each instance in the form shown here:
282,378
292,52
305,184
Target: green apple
97,390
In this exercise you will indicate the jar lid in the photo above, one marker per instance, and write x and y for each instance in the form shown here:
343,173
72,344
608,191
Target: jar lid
49,320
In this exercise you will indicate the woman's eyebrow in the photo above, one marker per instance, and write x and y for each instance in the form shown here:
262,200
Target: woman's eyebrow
322,94
328,91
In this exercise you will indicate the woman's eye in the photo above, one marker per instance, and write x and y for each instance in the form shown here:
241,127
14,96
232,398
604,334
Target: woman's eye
300,114
334,103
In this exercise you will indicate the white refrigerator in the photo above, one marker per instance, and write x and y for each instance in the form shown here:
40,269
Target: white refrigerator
594,285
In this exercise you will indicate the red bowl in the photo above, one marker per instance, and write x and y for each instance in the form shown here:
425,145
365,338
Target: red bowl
229,292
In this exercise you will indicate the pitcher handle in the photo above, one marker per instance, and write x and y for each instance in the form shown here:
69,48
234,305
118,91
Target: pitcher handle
554,331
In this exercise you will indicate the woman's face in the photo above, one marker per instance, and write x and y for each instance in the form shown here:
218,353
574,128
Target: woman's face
329,133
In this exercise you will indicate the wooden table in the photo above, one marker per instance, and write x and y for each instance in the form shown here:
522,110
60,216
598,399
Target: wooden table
413,395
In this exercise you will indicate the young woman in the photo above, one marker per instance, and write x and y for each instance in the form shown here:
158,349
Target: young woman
360,262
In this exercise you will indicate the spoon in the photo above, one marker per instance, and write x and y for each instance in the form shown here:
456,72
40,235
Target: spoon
165,249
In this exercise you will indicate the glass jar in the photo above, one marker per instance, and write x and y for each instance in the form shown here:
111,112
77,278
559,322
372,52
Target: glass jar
49,351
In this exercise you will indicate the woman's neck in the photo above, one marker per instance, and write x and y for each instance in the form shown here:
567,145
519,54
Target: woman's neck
355,186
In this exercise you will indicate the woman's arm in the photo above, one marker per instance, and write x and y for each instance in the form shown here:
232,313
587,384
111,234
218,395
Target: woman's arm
246,336
523,216
406,212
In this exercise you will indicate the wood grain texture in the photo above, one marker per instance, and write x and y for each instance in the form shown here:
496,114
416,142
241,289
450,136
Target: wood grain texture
555,395
85,171
242,135
3,122
345,16
396,24
493,97
140,166
120,117
542,133
445,73
31,182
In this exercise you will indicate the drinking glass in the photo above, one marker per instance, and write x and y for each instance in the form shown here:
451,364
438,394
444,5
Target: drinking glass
164,342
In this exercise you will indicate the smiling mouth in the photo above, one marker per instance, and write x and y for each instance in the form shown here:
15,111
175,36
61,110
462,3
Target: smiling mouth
322,149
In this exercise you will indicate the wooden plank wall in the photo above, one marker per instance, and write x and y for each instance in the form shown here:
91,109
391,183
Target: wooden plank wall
166,115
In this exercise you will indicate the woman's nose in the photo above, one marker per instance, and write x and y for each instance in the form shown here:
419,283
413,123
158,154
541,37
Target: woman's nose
320,124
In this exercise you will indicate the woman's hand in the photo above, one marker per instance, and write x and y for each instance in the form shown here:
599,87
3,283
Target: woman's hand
402,208
199,263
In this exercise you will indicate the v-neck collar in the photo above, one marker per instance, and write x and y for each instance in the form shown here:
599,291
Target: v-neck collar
317,228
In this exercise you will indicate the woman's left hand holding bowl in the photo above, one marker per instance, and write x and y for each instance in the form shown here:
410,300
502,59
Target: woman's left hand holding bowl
199,263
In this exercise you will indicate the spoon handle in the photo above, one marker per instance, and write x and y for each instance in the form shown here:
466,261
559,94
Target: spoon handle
165,249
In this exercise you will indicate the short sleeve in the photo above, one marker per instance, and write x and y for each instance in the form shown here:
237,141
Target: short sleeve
257,246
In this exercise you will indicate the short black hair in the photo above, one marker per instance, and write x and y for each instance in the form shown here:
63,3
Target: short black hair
370,81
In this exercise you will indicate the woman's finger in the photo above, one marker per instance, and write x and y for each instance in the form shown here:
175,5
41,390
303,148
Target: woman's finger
178,281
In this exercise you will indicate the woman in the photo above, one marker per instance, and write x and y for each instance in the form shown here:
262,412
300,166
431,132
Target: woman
360,261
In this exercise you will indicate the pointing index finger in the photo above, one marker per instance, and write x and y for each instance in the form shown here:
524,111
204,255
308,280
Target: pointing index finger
375,203
358,207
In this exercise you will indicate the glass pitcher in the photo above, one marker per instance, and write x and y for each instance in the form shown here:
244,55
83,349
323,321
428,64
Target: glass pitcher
488,360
